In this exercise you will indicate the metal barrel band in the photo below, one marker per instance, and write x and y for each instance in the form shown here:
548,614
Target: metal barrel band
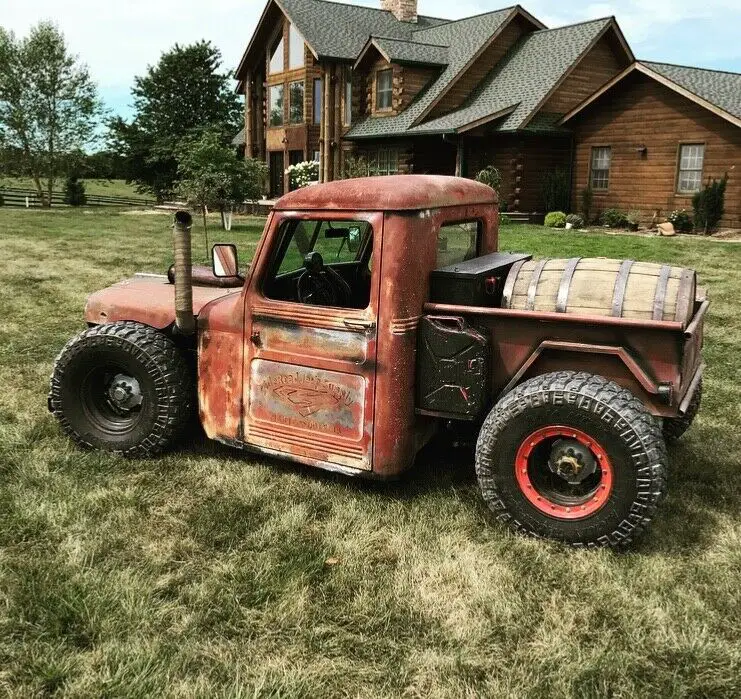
562,301
621,285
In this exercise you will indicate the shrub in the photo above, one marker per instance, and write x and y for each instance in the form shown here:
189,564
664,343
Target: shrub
575,220
555,219
2,198
74,192
681,220
555,191
709,205
490,176
633,219
614,218
504,220
587,197
355,166
303,174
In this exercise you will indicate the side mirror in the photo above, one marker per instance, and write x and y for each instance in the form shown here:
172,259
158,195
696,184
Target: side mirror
353,239
224,260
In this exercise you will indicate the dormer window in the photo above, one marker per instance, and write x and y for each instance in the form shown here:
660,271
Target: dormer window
384,89
295,49
277,57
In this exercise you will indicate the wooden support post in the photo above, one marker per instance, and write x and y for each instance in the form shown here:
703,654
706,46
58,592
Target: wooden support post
326,123
459,158
260,119
337,121
248,117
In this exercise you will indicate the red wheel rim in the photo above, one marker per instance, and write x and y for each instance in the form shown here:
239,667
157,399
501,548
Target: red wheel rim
592,502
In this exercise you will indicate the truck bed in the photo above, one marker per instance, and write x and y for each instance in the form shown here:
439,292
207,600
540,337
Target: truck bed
659,361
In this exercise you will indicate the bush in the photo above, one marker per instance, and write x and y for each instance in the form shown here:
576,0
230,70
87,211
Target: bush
303,174
614,218
587,197
681,220
709,205
575,220
555,219
2,199
355,167
74,192
504,220
490,176
555,191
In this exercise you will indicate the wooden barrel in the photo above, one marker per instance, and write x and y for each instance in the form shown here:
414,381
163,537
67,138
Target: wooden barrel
604,287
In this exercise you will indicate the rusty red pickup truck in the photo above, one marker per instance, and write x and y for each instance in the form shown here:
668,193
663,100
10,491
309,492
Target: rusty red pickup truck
377,312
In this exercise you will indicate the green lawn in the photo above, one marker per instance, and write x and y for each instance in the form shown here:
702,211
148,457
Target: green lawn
204,573
102,188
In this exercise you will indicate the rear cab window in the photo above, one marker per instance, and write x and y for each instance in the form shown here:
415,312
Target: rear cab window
458,242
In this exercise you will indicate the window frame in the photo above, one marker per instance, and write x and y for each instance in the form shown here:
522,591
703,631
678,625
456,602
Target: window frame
279,41
347,111
285,234
294,34
680,146
271,125
389,91
592,170
391,156
302,117
317,104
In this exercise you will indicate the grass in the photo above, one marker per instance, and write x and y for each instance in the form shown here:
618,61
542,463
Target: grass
212,573
101,188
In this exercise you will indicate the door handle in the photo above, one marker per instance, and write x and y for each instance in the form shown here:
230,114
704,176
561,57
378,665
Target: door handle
361,325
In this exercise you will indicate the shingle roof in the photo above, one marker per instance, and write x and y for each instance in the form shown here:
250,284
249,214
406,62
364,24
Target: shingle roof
336,30
717,87
465,38
519,82
239,139
414,52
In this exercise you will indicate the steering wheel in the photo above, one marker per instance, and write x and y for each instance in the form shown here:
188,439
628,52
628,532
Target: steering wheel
321,286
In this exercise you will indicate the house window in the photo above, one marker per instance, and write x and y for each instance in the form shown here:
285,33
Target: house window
600,175
296,106
276,105
295,49
317,101
277,59
316,156
384,88
384,162
691,158
348,102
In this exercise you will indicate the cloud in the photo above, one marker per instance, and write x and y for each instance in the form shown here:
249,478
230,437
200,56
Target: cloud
118,40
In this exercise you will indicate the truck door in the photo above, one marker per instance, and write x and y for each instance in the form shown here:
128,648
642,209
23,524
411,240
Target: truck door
310,334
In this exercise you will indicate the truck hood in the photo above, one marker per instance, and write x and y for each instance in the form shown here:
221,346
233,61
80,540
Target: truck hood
146,298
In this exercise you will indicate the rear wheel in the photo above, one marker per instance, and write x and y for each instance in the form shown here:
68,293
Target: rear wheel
675,427
573,457
122,387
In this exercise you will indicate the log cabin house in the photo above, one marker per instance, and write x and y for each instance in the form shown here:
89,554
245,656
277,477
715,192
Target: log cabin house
416,94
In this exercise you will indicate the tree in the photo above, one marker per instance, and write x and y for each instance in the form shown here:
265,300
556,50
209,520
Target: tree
183,95
210,175
49,108
74,192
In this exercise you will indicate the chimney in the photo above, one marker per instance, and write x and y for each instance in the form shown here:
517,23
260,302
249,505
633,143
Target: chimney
403,10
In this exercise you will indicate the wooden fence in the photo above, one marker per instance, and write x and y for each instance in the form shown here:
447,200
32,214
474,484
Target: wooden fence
17,197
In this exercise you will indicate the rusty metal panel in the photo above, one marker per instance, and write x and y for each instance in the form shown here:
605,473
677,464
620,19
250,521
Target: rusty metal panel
316,412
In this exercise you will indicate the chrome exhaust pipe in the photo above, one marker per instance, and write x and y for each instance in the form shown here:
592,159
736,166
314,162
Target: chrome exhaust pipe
184,320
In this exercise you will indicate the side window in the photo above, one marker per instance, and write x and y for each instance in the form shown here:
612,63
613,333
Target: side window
600,167
322,263
458,242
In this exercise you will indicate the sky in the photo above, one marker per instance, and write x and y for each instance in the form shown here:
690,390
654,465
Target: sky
118,40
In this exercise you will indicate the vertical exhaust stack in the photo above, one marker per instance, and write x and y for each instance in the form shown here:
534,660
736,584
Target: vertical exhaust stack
184,320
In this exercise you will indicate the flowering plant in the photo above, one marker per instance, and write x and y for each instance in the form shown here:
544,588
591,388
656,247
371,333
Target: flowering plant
303,174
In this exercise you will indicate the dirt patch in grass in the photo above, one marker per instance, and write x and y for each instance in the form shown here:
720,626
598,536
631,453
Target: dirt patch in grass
204,572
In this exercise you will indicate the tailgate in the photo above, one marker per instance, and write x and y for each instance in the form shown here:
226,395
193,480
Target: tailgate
692,365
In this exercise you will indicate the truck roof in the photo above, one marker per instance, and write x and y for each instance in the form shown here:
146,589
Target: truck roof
388,193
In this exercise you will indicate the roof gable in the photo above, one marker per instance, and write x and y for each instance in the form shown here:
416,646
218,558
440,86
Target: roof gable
716,91
404,52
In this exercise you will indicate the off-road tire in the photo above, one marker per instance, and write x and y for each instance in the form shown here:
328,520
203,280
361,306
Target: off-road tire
614,417
166,383
675,427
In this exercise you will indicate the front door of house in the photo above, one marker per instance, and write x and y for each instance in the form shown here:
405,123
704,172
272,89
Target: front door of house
310,356
276,174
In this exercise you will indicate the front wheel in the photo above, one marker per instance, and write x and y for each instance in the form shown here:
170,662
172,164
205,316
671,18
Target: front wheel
122,387
572,457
